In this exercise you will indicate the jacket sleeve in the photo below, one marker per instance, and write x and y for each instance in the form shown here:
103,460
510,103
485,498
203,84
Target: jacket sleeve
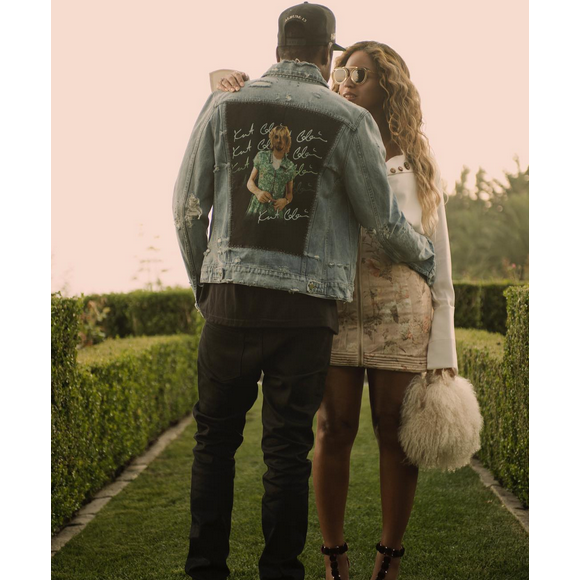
193,194
375,206
442,353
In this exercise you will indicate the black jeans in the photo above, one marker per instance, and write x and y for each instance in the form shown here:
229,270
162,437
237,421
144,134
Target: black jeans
230,362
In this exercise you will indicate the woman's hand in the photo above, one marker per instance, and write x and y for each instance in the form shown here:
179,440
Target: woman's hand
263,196
233,82
281,203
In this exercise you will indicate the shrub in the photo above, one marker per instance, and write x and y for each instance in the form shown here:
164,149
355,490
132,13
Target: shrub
64,338
126,392
145,313
515,443
481,305
498,367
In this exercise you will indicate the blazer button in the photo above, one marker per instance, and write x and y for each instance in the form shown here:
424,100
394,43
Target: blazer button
407,165
393,170
400,168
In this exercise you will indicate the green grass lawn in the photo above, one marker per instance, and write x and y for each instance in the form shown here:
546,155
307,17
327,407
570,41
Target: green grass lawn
458,529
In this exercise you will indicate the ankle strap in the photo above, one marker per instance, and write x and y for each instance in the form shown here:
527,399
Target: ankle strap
334,551
391,552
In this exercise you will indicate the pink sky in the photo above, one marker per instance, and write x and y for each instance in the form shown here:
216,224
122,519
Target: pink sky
129,78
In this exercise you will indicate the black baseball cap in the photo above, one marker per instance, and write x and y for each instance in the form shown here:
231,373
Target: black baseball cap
318,25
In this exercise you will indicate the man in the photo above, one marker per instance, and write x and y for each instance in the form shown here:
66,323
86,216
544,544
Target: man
275,174
267,288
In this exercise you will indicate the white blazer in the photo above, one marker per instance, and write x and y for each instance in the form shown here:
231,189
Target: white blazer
442,351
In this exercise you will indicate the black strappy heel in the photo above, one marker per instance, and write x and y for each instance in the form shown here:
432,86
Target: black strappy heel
333,553
389,554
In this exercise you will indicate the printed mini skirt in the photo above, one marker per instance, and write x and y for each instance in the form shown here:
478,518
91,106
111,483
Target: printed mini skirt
388,323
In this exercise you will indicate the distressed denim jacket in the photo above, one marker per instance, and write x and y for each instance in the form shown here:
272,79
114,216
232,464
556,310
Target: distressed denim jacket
330,167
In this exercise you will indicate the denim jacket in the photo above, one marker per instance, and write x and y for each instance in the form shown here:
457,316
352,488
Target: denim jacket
333,175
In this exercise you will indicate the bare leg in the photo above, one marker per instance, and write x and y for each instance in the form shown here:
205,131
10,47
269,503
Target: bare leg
337,426
398,479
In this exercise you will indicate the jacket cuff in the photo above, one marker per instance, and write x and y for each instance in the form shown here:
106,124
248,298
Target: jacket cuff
432,275
196,292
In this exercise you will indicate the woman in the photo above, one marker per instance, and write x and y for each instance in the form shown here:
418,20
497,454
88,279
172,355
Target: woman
395,327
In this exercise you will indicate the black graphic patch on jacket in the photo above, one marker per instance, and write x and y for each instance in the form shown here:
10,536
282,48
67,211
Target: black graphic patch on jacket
276,153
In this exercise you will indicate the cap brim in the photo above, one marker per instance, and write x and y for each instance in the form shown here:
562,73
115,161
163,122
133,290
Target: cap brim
338,47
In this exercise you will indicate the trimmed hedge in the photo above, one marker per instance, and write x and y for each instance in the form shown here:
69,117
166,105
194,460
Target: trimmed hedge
467,305
125,393
480,358
481,305
64,337
144,313
498,368
517,393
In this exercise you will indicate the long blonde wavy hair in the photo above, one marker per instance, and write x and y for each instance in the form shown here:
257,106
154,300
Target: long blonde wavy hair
402,108
284,132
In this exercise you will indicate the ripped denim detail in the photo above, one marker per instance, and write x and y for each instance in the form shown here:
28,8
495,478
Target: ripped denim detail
193,210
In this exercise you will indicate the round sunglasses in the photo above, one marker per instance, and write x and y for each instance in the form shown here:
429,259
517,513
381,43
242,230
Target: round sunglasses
357,75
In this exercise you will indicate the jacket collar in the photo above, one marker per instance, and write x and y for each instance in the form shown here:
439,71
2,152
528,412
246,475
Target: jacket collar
304,71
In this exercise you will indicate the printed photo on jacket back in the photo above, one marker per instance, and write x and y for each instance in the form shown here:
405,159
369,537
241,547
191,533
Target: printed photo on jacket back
276,158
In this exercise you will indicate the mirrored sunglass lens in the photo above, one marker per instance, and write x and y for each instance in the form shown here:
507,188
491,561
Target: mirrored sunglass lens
339,75
358,75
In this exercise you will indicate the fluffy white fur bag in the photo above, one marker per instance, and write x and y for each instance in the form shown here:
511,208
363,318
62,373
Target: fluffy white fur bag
440,422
